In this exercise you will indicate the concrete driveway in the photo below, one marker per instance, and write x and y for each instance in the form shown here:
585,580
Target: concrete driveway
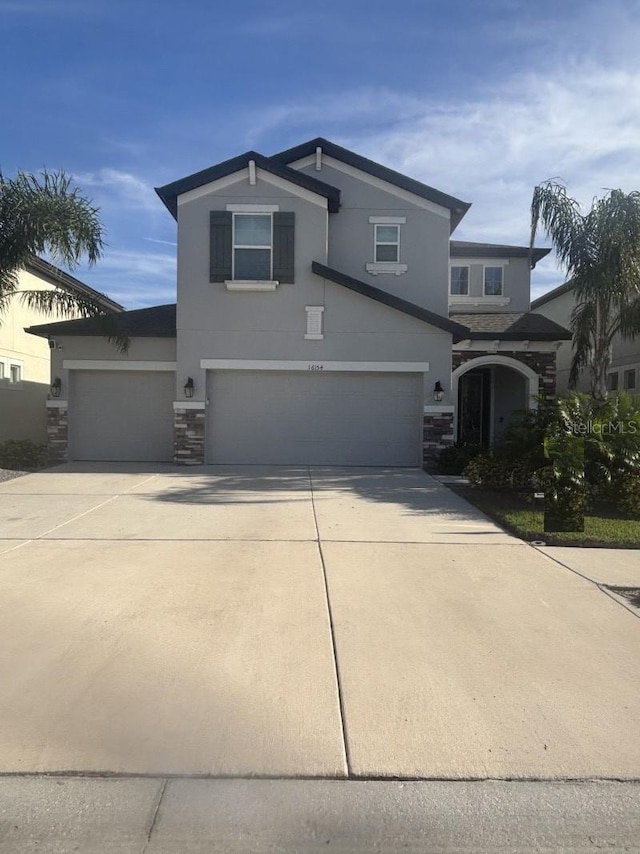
254,621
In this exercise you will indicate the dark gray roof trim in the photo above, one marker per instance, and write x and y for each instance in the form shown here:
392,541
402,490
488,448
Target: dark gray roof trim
457,207
551,295
170,192
459,332
465,249
156,322
511,326
55,276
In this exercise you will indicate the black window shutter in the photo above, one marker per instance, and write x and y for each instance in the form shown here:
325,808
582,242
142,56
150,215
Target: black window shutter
221,246
284,247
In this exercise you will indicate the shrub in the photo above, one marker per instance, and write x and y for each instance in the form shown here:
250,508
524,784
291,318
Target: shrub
22,454
489,471
454,459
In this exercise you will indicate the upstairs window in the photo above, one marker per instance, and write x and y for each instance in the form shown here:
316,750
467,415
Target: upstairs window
612,381
630,380
252,247
459,281
493,281
387,243
15,373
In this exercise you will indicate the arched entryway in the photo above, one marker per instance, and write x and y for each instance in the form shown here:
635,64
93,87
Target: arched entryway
488,390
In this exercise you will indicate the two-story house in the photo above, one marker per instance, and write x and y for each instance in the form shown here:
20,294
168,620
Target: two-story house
25,364
324,316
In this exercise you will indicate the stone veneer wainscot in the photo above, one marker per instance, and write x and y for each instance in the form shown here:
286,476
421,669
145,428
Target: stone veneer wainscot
188,436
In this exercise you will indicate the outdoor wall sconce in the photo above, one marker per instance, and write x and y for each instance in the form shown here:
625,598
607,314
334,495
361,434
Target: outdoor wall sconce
438,392
56,387
189,387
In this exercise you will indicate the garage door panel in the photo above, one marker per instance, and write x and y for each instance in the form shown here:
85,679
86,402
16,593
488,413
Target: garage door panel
121,416
318,419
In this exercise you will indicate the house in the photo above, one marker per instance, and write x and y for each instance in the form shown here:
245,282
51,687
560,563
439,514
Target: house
25,359
624,371
324,316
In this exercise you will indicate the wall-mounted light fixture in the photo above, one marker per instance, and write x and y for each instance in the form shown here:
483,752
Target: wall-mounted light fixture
56,387
189,387
438,392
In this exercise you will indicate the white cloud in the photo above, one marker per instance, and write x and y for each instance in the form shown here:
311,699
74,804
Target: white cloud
116,187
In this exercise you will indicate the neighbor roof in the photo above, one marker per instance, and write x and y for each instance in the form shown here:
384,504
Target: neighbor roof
551,295
156,322
457,207
459,332
55,276
465,249
170,192
511,326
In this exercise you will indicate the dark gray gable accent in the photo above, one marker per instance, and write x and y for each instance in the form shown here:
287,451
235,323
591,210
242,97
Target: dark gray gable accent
465,249
170,192
221,246
459,332
284,247
156,322
457,207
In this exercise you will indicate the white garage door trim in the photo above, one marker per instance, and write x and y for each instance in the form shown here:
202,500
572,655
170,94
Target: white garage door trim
318,365
113,365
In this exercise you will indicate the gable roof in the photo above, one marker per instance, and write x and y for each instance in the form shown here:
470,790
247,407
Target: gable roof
169,192
459,332
466,249
511,326
54,276
551,295
457,207
156,322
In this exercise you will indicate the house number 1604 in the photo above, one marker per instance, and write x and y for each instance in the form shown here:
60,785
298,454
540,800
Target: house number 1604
316,368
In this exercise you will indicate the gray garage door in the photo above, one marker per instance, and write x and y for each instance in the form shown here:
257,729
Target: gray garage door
121,415
314,418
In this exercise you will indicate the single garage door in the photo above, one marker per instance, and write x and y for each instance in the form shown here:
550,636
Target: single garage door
299,417
121,415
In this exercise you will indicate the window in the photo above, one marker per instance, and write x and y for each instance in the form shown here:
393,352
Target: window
630,379
252,242
493,281
612,381
15,373
1,370
460,281
387,243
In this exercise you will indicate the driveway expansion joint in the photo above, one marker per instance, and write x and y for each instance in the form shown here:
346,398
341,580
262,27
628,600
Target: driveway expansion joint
154,817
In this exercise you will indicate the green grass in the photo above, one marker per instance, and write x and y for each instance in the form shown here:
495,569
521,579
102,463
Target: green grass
602,526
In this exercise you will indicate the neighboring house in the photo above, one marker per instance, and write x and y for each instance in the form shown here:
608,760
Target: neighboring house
25,361
323,317
624,372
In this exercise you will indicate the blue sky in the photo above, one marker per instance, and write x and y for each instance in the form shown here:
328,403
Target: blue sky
481,99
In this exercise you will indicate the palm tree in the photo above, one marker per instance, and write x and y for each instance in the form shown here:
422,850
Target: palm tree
600,251
45,213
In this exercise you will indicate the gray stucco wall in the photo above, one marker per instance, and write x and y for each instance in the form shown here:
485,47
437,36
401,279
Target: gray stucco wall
215,323
424,240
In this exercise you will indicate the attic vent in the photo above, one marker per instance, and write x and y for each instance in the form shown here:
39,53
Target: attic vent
314,322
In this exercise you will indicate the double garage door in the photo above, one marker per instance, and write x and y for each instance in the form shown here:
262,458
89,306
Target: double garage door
259,417
314,418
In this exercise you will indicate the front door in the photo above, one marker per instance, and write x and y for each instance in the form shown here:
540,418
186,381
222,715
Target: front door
474,407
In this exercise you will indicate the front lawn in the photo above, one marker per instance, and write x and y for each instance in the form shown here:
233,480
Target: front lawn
603,526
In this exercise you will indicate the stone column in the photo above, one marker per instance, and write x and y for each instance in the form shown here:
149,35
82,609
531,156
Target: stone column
57,431
437,434
188,433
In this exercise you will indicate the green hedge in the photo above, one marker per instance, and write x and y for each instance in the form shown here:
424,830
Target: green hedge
22,455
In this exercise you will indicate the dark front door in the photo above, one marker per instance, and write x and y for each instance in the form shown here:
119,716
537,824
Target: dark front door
474,407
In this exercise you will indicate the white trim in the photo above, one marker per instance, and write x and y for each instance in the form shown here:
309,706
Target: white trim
312,366
388,220
464,299
377,268
378,183
493,361
240,176
251,285
514,346
318,158
435,409
498,262
189,404
377,242
241,208
315,330
252,172
113,365
57,404
486,267
466,267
